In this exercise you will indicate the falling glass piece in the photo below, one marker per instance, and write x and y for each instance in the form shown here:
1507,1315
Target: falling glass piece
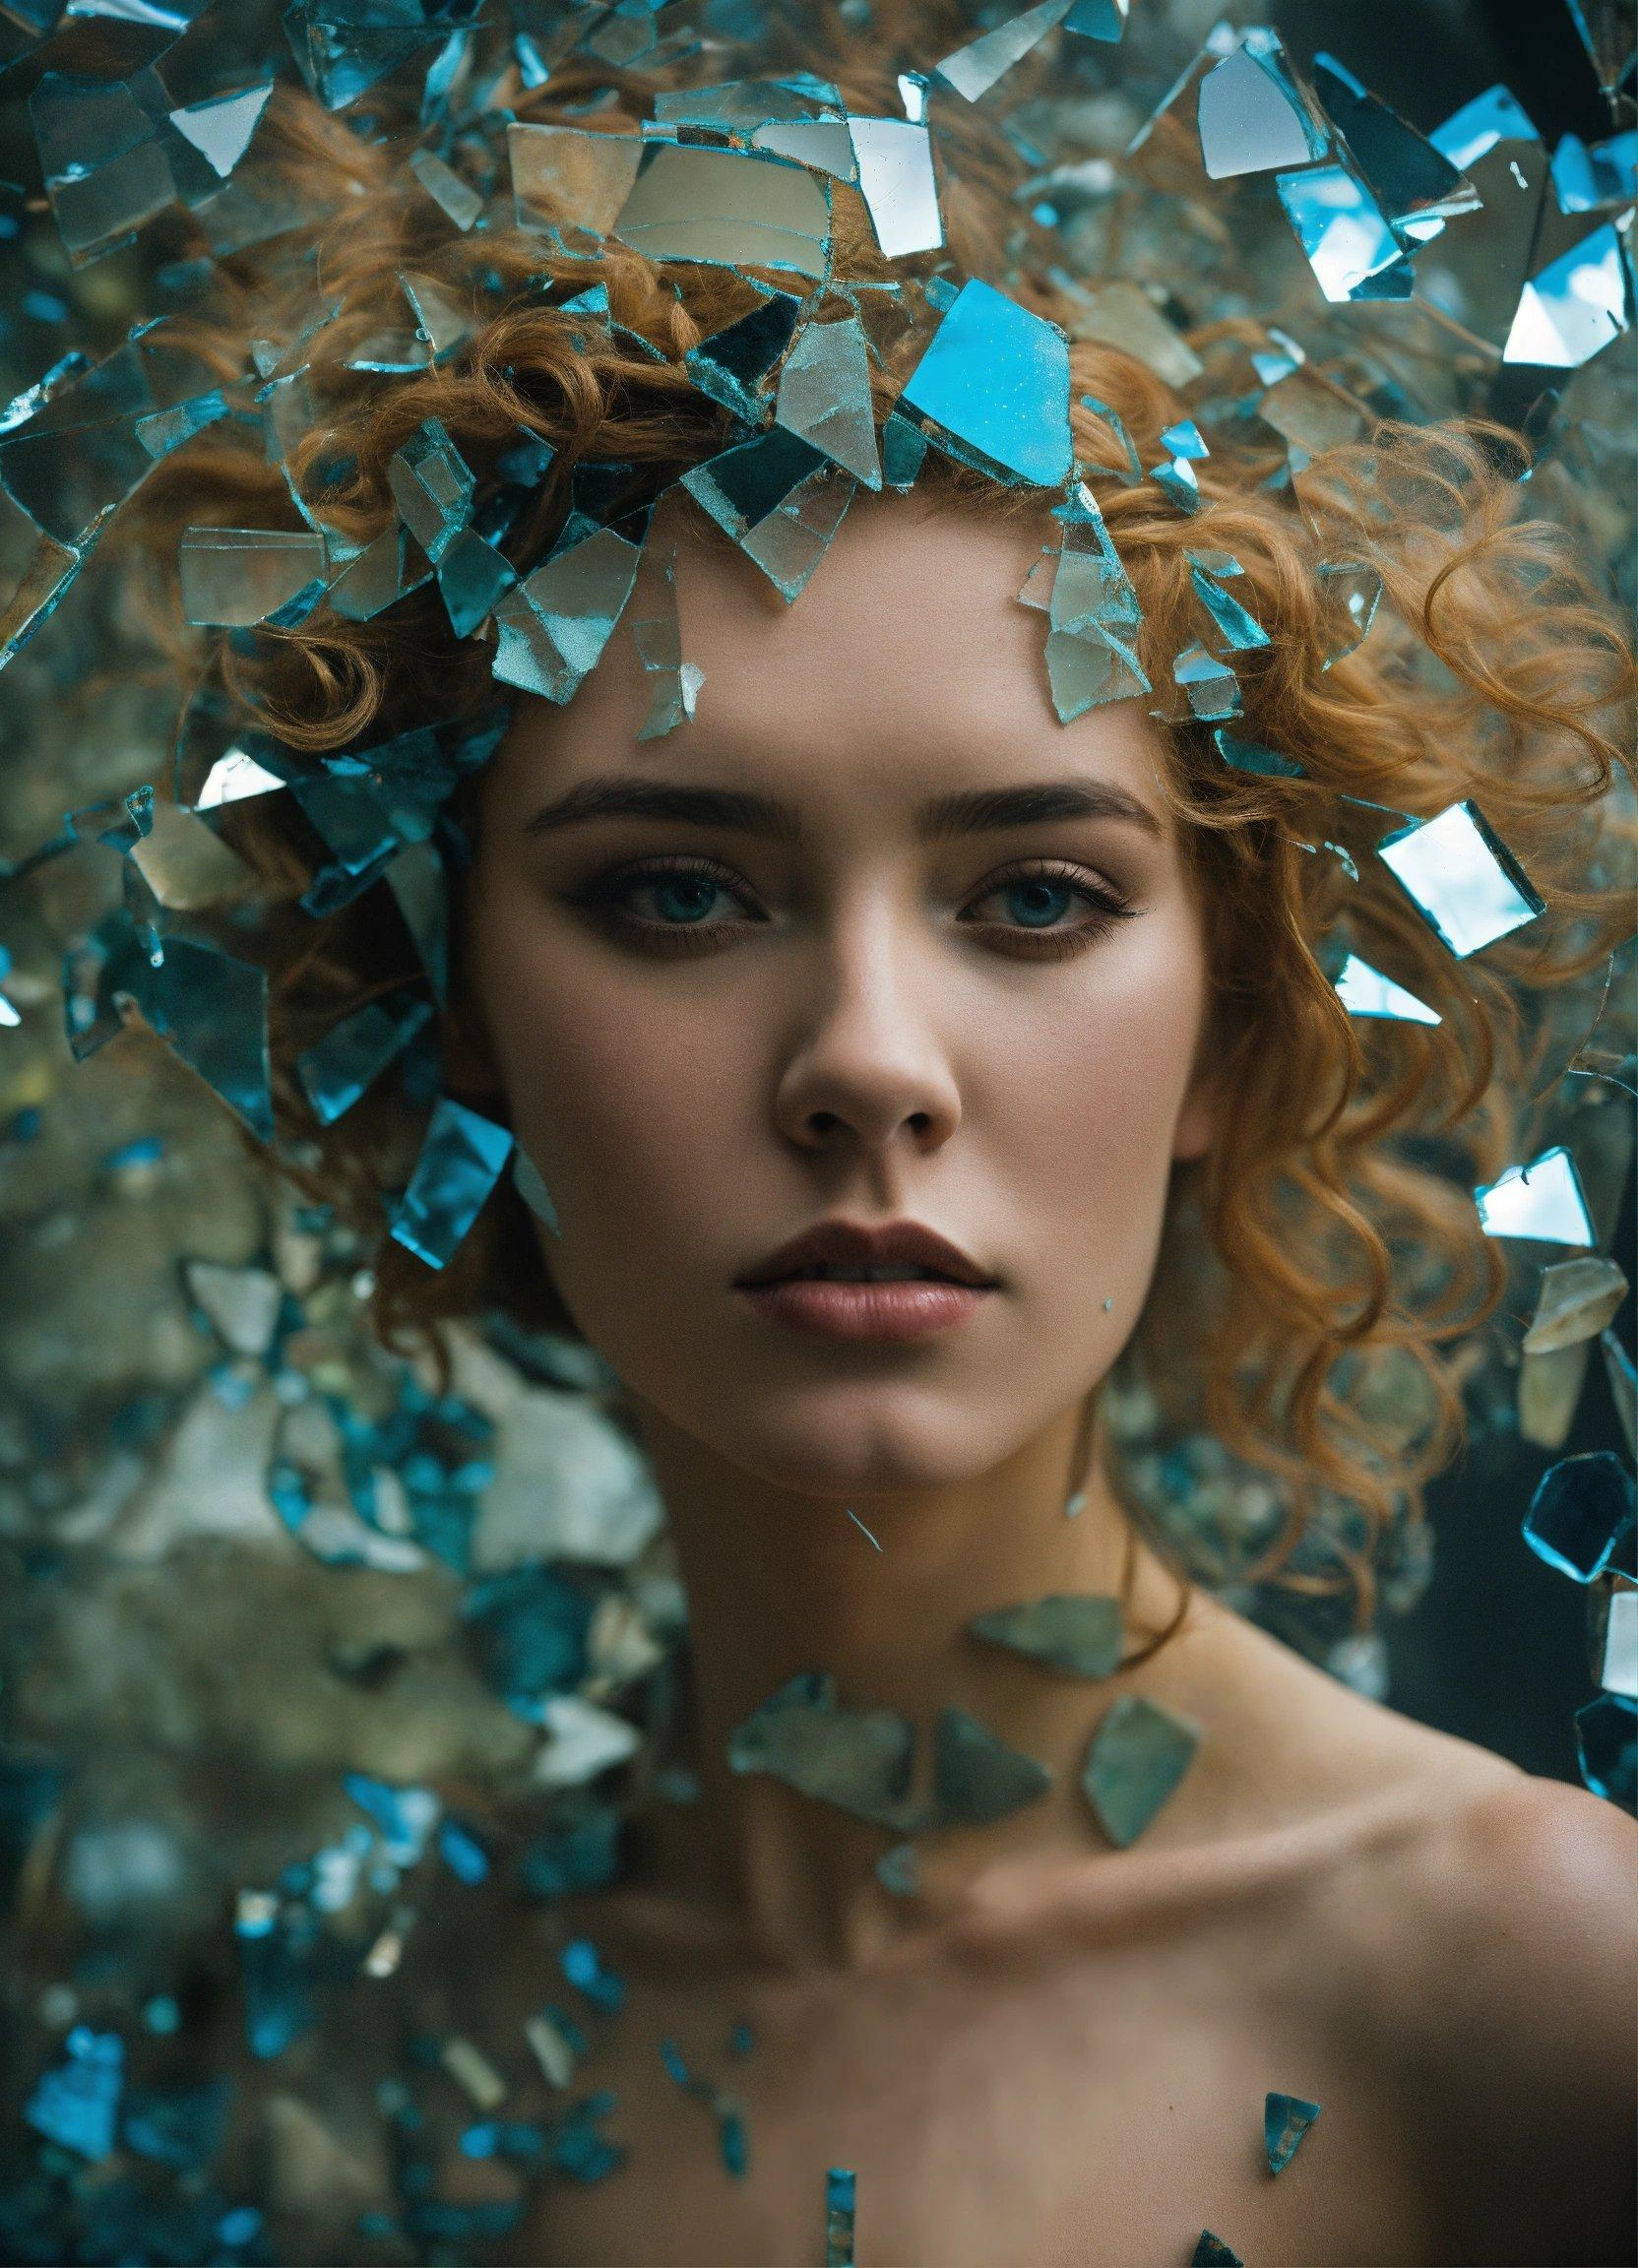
1550,1393
1252,115
994,380
1240,631
1358,591
1582,1514
221,129
582,1965
730,364
839,2216
824,396
1133,470
977,1778
1577,1299
1345,234
903,448
1622,1374
76,2104
1365,991
895,163
1098,19
1178,478
1575,307
1212,2252
578,2150
235,576
526,1175
1491,117
1138,1755
1252,756
1613,1633
972,70
1211,688
337,1069
859,1760
571,173
460,1162
1076,1632
240,1303
1405,174
553,626
1286,2119
1608,35
1462,878
445,187
1544,1200
900,1869
727,207
1607,1745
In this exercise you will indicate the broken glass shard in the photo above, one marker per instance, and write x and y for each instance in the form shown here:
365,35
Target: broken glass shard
658,636
553,626
994,380
526,1175
1098,19
731,363
1345,235
972,70
1622,1374
1582,1515
859,1760
1240,632
585,1970
1132,472
1286,2119
977,1778
1405,174
1211,688
895,165
1606,1744
1608,35
1462,878
571,173
76,2104
839,2216
352,1056
1252,115
235,576
727,207
1613,1632
900,1869
904,447
824,396
1076,1632
1544,1200
1138,1755
1491,117
1577,1299
1212,2252
446,188
1357,591
1575,307
823,142
1365,991
1252,756
460,1162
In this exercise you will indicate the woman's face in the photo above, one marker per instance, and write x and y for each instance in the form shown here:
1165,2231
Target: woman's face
710,1036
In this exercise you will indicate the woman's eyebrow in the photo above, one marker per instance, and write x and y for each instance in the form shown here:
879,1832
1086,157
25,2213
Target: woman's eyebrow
970,811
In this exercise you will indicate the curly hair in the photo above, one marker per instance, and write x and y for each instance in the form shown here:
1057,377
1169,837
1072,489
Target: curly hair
1319,1263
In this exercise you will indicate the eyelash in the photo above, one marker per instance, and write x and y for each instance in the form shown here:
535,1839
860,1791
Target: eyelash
601,897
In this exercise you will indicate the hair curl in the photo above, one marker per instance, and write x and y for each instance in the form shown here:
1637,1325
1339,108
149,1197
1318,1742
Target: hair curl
1327,1248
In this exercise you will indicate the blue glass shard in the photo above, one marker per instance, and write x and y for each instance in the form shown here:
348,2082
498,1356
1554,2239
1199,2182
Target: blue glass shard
743,484
433,487
1079,1633
585,1971
76,2104
973,70
461,1853
899,1871
1575,307
977,1778
179,2126
1179,481
1607,1747
1462,878
894,160
1098,19
404,1817
526,1174
903,448
1357,590
1580,1516
1286,2119
1345,234
570,174
553,626
1239,630
461,1160
824,396
445,187
731,363
1252,756
1491,117
1252,115
1406,174
1364,991
1212,2252
1138,1755
337,1069
1211,688
859,1760
1184,439
578,2150
1544,1200
236,577
1132,472
995,378
840,2196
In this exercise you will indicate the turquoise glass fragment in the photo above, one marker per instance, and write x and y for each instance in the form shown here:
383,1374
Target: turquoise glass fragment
1544,1200
977,1778
1079,1633
1462,878
1138,1755
840,2202
1582,1515
460,1162
1212,2252
995,379
1286,2119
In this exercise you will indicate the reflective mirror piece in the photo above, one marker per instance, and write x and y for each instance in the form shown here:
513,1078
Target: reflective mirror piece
1575,307
1286,2119
1365,991
1251,116
1345,235
859,1760
1138,1755
1576,1299
461,1160
996,380
1077,1633
840,2190
1252,756
727,207
1212,2252
1582,1515
825,398
972,70
337,1069
1544,1200
1462,877
1607,1745
895,163
977,1778
525,1177
1613,1633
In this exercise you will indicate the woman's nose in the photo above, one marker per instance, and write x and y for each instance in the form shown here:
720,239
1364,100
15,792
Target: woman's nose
867,1063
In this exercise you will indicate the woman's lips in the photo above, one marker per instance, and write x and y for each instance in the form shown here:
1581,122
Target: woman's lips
827,1308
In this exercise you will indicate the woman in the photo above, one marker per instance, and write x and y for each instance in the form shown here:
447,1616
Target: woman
824,931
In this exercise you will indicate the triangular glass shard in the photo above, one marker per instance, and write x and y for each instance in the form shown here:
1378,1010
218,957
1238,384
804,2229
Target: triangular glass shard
1212,2252
825,396
336,1071
532,1188
977,1778
1544,1200
1240,631
1252,116
730,364
1576,1300
1608,37
1138,1755
1576,307
859,1760
461,1159
221,129
1079,1633
1286,2119
1345,234
553,626
972,70
995,378
1494,116
1252,756
1405,172
1607,1745
1364,991
1581,1515
1211,688
1462,878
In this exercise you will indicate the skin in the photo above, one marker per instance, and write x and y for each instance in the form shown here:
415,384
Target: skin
1058,2050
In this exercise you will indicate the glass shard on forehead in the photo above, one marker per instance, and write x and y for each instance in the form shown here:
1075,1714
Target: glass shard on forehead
780,500
1364,991
1544,1200
994,380
825,396
977,1778
972,70
729,209
1462,878
1582,1515
1286,2119
1574,306
1575,1301
1138,1755
460,1162
894,162
658,634
1252,116
553,627
1077,1633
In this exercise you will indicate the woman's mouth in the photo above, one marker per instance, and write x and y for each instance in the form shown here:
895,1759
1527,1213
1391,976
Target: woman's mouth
867,1304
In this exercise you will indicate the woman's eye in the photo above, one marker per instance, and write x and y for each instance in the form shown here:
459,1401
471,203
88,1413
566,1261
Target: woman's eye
1036,902
665,907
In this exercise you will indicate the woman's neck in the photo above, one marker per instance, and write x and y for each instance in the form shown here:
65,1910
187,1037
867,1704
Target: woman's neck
781,1583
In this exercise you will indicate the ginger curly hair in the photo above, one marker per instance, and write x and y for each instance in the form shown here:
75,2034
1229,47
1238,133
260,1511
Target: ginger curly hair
1328,1249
